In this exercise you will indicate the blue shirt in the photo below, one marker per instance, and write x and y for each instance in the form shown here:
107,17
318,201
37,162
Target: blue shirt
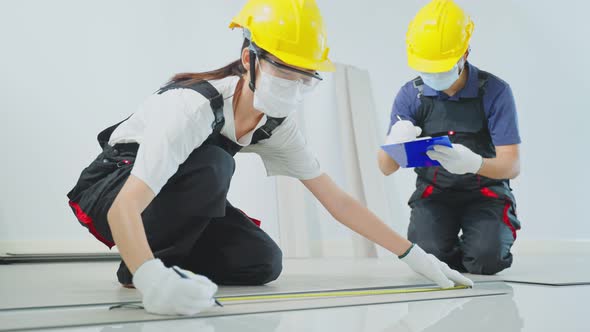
498,103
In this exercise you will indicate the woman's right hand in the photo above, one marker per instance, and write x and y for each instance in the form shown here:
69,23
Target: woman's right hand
165,292
430,267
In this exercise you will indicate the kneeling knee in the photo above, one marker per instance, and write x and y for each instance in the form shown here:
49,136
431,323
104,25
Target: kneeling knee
266,267
270,269
487,262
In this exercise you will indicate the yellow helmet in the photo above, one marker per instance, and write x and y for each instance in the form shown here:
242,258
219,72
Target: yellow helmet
291,30
438,36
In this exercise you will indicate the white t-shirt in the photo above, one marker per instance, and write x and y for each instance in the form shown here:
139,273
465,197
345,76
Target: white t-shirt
169,126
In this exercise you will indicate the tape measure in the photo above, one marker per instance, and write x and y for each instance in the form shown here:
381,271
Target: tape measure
327,294
309,295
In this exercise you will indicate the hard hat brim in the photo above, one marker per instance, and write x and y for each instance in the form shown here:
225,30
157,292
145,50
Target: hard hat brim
290,59
432,66
234,25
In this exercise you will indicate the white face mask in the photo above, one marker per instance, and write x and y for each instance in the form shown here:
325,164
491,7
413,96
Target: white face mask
277,97
279,92
443,81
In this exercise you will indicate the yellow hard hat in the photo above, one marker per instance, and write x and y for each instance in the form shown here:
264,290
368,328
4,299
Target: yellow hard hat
438,36
291,30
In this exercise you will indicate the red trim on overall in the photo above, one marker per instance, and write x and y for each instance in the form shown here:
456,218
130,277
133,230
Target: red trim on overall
87,221
488,193
430,188
255,221
506,219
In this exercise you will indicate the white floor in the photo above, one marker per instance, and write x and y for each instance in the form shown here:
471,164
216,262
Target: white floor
531,308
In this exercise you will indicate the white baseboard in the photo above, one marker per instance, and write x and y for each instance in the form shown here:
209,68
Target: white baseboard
551,246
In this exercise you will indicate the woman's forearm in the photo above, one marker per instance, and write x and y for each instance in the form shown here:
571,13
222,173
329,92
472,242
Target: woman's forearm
129,235
126,225
352,214
358,218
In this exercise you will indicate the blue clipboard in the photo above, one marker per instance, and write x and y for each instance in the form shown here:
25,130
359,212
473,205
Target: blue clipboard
413,153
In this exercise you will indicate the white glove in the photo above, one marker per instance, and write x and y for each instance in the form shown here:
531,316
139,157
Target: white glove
167,293
433,269
403,131
457,160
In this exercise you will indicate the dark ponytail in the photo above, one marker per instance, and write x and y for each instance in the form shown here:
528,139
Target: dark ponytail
233,69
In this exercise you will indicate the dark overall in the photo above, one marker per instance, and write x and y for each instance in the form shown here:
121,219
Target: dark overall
443,204
189,223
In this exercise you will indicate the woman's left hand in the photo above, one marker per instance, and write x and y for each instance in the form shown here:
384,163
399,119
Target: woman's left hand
457,160
430,267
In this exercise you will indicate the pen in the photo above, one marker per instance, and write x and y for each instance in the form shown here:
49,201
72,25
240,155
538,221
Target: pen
182,275
399,118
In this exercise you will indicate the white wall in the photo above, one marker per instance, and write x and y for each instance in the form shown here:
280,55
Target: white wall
69,68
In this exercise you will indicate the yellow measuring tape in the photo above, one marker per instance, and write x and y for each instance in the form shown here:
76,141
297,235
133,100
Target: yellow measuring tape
333,294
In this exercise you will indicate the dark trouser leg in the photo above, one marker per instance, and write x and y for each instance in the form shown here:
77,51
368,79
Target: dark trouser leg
234,251
179,214
487,239
434,226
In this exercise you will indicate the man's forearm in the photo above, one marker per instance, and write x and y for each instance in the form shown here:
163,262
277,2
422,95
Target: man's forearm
496,168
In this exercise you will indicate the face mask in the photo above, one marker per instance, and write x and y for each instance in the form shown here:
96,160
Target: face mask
443,81
277,97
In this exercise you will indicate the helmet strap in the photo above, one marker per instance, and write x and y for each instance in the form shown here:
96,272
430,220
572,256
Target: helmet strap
252,84
252,49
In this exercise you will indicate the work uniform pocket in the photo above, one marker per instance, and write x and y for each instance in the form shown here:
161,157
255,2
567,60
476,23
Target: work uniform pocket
107,162
509,217
423,191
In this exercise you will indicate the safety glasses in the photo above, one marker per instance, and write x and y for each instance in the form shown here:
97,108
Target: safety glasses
283,74
287,78
288,70
289,75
